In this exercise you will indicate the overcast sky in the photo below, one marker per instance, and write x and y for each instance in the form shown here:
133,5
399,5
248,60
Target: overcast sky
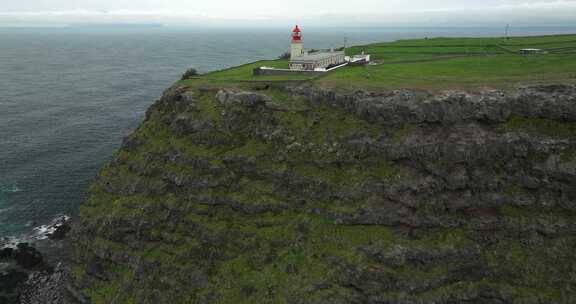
312,12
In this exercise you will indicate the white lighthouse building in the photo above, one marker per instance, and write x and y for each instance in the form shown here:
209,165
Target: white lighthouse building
303,60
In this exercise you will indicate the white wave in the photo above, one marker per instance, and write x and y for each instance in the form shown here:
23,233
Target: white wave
10,242
38,233
44,231
13,189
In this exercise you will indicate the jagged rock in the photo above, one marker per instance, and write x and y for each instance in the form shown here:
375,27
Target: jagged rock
52,286
23,273
60,228
131,143
183,125
409,106
11,282
6,253
28,257
246,99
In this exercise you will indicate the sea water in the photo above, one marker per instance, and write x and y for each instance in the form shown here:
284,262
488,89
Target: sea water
69,95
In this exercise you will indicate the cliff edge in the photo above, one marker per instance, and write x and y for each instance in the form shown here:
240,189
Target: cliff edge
298,194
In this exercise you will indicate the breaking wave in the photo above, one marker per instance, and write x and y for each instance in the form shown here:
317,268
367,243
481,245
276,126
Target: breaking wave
38,233
11,189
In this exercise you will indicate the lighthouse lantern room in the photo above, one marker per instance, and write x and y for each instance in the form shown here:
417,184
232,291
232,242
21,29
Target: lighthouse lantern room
297,49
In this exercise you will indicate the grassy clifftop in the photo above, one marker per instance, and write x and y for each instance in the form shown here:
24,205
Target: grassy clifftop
440,63
238,189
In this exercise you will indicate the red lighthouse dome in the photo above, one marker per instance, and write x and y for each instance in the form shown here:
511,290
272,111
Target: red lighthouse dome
296,35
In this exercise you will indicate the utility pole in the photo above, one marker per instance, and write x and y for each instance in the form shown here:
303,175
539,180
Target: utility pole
507,31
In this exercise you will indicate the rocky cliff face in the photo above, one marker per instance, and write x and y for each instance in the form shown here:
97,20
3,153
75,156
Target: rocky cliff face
303,195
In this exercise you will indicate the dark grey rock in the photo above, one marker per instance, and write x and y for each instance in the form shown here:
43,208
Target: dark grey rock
415,107
246,99
184,125
28,257
131,143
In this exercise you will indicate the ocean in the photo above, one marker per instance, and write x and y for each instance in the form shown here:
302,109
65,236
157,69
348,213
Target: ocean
69,95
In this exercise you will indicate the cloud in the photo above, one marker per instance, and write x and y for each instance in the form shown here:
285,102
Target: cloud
511,5
366,12
522,13
120,13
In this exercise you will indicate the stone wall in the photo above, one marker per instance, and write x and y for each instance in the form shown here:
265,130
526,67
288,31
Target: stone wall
266,72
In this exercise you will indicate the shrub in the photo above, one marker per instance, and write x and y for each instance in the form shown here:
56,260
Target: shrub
189,74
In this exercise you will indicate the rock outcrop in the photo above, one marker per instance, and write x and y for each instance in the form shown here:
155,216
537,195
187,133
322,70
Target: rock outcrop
27,276
16,265
306,195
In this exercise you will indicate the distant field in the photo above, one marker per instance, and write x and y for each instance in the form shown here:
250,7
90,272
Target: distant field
440,47
532,40
499,70
439,63
460,62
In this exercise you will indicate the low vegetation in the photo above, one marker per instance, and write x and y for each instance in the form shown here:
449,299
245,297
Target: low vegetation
189,74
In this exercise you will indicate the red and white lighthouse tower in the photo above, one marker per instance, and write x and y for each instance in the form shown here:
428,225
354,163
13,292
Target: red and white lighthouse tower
296,49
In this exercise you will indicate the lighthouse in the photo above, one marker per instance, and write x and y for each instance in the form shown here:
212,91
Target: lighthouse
314,61
296,49
307,60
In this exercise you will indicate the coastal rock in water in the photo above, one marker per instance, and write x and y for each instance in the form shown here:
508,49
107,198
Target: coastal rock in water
6,253
28,257
61,227
26,276
16,266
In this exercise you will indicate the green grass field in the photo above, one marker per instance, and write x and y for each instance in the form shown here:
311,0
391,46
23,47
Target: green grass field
493,71
437,63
